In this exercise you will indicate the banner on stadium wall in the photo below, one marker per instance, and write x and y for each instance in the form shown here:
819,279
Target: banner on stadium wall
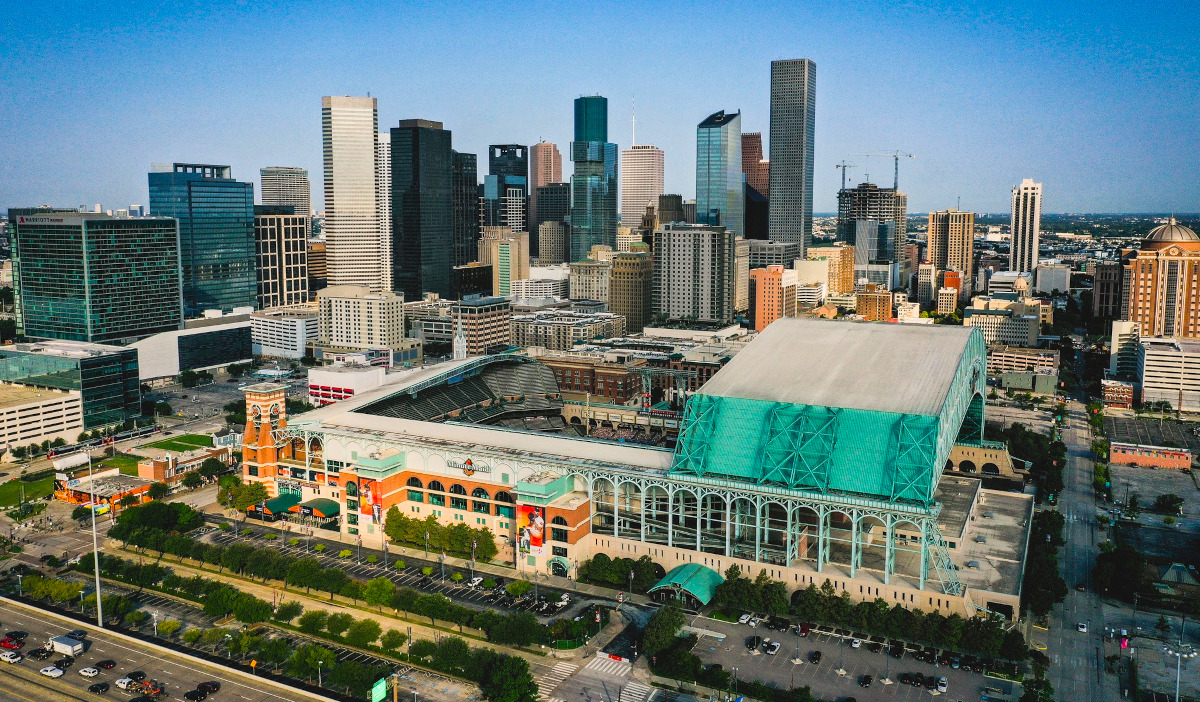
370,499
531,521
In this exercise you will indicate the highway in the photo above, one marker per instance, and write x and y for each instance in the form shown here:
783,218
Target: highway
178,673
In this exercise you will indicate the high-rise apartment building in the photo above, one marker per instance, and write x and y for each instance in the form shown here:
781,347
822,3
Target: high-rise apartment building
507,252
594,184
695,272
465,182
720,194
356,252
869,201
1106,293
552,243
631,288
839,260
353,316
216,233
286,186
793,121
772,295
486,322
422,208
90,277
1162,275
383,201
951,244
1025,226
641,181
282,255
545,167
873,305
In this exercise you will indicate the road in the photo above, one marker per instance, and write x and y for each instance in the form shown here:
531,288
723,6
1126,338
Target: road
178,673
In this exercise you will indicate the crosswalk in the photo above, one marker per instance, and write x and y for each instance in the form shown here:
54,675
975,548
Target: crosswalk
553,678
607,666
636,692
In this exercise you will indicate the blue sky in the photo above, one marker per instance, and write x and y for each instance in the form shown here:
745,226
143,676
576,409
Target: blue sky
1099,101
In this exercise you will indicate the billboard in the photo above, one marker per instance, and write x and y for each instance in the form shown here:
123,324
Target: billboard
370,499
531,523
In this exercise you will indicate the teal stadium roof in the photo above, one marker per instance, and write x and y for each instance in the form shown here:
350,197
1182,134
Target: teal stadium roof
858,408
696,580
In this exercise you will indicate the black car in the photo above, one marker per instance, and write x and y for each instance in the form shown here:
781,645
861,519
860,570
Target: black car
874,647
210,687
64,662
98,688
136,676
107,664
931,682
39,654
896,651
865,681
77,634
916,679
814,657
753,642
195,695
20,635
905,679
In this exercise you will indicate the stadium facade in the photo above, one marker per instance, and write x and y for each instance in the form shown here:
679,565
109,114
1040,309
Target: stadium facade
817,453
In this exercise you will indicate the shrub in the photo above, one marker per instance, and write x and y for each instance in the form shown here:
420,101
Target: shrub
372,559
345,553
224,526
247,532
399,564
489,583
271,537
319,548
427,570
456,577
293,542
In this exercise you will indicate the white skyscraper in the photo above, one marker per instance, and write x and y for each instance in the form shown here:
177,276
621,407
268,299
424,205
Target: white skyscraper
383,202
1026,226
355,254
641,181
287,186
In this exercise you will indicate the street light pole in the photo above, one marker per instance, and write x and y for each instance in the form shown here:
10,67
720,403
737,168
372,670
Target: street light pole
95,546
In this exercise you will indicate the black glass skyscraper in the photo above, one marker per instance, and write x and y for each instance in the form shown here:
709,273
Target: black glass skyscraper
422,208
466,208
216,233
553,205
594,184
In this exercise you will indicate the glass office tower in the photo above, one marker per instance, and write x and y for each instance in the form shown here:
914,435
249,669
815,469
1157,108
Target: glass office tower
466,208
422,209
90,277
105,376
216,233
594,184
720,193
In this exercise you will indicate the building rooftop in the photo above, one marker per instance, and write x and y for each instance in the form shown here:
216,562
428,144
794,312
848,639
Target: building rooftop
1178,345
18,395
110,486
995,540
867,366
64,349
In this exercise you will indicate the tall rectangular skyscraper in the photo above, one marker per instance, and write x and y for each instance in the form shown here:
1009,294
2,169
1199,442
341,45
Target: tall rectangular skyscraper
793,120
216,233
720,194
356,253
1025,226
594,184
422,208
466,207
281,237
641,181
545,167
285,186
951,237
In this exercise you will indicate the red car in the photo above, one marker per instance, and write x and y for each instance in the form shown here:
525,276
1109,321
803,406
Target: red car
12,643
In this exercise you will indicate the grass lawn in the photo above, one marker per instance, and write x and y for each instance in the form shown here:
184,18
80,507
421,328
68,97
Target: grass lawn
10,492
184,442
127,462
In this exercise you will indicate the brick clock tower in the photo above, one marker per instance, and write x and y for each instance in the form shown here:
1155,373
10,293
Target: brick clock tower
266,411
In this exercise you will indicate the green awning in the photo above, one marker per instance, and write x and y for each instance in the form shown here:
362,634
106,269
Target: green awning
696,580
322,507
275,505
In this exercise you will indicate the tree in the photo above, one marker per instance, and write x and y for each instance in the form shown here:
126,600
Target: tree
247,495
1014,647
192,480
191,636
309,659
135,619
392,640
188,379
378,592
168,628
661,629
363,633
163,409
81,513
518,588
304,572
158,491
275,651
509,681
128,500
287,611
338,623
1169,503
312,621
212,467
1162,625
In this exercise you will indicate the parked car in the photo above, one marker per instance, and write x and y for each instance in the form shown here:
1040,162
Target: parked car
803,629
865,681
855,643
1081,627
474,582
773,648
744,619
941,684
753,642
814,657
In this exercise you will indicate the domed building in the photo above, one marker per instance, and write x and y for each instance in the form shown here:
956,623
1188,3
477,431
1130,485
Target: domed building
1164,282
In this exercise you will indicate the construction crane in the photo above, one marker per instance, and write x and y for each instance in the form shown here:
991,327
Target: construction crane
897,155
842,167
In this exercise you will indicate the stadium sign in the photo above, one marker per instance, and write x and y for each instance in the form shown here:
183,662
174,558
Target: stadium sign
469,467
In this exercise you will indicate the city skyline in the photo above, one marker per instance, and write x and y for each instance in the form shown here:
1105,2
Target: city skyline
1113,83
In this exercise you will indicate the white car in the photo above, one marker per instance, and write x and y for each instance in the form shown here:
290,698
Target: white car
11,657
89,672
474,582
1081,627
941,684
744,619
51,672
123,683
754,621
856,643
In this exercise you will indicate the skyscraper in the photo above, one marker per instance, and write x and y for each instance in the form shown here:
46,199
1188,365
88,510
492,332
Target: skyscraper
758,180
282,263
383,202
869,201
507,252
695,272
1160,282
216,233
90,277
951,244
545,167
422,208
466,208
793,120
641,181
502,202
631,288
356,254
720,194
594,184
1026,226
670,209
286,186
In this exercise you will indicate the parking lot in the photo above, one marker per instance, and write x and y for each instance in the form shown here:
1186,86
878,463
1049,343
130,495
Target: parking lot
836,653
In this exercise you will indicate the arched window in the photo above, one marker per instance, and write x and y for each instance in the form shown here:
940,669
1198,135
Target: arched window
503,496
458,502
435,499
480,494
436,486
558,520
556,532
413,482
351,489
457,489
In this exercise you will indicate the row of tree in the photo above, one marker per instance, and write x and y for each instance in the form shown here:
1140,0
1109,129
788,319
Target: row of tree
455,540
603,570
1047,458
1044,586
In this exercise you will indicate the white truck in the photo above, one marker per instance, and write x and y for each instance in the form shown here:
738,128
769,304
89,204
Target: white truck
67,646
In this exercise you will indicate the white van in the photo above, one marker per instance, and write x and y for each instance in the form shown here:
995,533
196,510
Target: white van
124,683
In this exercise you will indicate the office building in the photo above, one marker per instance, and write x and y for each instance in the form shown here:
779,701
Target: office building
281,243
216,233
318,273
810,294
33,415
552,237
772,293
641,181
1123,348
1162,280
553,204
560,330
868,201
873,304
203,345
505,190
839,263
947,300
741,276
472,279
89,277
590,279
1019,284
465,182
1025,226
720,195
1106,291
422,208
284,332
538,288
873,242
951,239
594,183
883,275
689,211
486,323
631,288
356,253
106,377
383,202
1053,278
507,252
545,167
1006,326
670,210
756,211
695,273
1169,373
793,122
286,186
628,237
354,317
